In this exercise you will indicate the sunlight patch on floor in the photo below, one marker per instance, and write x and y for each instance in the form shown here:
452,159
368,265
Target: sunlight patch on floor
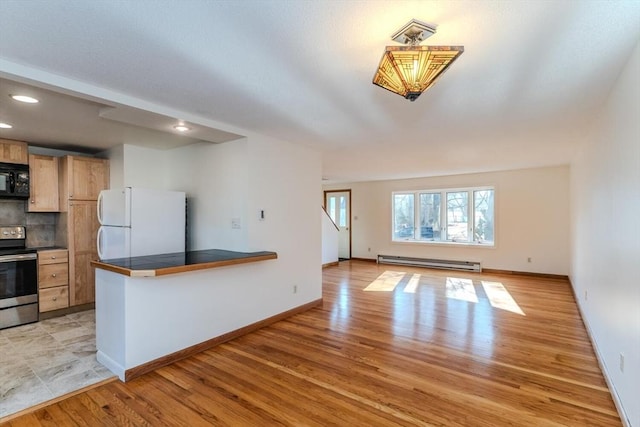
461,289
386,282
499,297
413,284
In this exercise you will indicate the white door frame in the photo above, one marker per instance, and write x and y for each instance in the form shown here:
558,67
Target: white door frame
326,192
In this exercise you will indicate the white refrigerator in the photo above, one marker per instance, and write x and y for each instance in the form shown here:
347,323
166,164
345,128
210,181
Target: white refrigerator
138,222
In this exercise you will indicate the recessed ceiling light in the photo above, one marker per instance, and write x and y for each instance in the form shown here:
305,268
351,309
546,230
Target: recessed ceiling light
5,125
25,98
182,128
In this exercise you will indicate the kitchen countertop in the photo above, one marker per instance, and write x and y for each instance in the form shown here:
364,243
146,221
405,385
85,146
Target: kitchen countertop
160,265
47,248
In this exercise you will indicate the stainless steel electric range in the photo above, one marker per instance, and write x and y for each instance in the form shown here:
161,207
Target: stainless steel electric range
18,279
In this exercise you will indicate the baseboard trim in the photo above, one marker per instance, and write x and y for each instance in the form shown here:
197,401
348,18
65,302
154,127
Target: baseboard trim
330,264
364,259
139,370
603,366
526,273
68,310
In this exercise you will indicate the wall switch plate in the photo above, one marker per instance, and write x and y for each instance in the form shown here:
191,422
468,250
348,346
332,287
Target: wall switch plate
621,362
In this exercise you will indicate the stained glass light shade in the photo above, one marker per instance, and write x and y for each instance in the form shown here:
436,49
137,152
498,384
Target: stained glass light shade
410,70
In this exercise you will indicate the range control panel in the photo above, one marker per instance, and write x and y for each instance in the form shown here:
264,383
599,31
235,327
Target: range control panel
12,232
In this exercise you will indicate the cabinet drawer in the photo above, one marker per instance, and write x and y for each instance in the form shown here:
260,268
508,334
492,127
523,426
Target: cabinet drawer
53,298
53,256
50,275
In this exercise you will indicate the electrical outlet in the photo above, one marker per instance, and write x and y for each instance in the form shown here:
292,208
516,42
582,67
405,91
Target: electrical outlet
621,362
295,289
368,249
529,259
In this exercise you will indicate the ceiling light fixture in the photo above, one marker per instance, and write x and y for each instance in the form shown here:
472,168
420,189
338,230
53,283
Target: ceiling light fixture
24,98
5,125
410,70
182,128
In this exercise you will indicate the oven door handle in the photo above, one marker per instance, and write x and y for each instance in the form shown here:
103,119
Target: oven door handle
13,258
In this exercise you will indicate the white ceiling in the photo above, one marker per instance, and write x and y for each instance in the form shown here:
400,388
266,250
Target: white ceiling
533,76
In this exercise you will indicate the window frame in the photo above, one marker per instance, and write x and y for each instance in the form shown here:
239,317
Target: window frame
443,217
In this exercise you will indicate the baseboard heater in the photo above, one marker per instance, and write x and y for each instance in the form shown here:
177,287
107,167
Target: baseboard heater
431,263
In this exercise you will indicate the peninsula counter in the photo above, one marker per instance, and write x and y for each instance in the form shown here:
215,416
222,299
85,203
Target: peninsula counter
160,265
153,310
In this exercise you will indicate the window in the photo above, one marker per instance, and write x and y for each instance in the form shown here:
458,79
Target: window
403,213
453,215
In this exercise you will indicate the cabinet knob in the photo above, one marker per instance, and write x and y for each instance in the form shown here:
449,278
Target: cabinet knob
55,298
33,201
53,275
53,257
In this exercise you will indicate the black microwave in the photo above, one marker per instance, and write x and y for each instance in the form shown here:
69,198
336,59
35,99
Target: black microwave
14,181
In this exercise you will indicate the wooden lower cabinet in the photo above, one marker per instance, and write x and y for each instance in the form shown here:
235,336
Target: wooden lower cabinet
80,181
83,290
83,229
53,279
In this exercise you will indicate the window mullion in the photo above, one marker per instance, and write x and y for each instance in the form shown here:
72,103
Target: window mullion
444,226
471,215
416,215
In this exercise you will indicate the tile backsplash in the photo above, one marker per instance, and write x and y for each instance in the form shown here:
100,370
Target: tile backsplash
41,227
12,212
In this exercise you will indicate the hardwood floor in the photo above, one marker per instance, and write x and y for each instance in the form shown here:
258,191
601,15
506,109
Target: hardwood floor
428,348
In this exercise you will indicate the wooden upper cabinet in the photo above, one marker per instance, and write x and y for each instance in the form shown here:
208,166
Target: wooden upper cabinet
82,178
14,151
43,176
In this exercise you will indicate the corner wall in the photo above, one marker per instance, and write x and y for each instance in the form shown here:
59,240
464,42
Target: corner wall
532,216
232,182
605,243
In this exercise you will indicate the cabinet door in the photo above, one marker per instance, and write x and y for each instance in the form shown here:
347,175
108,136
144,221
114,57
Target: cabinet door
43,175
13,151
87,177
83,229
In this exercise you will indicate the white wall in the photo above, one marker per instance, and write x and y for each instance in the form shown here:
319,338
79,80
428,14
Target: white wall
532,215
116,166
236,180
284,180
605,216
216,179
330,239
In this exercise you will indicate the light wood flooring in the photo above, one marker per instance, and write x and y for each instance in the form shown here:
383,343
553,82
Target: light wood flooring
419,348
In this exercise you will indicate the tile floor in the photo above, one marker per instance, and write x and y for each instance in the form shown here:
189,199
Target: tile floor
48,359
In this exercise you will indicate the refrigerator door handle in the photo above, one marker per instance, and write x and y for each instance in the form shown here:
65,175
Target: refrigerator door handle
98,240
99,210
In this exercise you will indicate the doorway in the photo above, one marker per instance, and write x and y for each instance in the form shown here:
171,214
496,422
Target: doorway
337,203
